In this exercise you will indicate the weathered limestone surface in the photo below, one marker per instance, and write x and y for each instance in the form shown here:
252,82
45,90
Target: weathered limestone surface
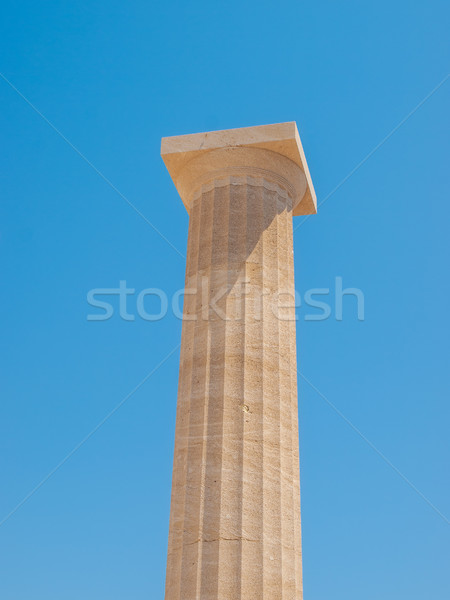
235,509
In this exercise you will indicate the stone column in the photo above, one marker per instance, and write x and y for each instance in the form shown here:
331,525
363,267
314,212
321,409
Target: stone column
235,509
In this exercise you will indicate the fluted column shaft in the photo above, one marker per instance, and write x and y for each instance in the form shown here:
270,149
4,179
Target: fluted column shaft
235,510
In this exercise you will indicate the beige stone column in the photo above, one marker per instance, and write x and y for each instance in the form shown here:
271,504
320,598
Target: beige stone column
235,509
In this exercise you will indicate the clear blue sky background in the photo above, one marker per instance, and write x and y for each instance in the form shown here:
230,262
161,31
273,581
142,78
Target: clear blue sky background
114,77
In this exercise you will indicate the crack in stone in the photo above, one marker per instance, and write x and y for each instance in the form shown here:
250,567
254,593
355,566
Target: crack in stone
221,539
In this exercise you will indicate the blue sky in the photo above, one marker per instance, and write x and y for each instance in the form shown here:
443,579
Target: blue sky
113,78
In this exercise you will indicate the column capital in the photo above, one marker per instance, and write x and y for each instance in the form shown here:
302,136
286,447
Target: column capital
272,152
